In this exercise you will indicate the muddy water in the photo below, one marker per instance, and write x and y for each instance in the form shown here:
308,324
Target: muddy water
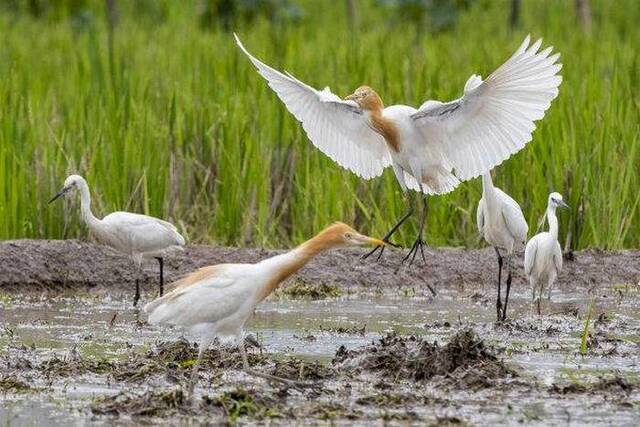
554,384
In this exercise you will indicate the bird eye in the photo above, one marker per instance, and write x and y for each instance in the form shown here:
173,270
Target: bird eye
348,235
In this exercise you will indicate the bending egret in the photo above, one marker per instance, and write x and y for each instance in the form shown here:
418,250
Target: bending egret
436,146
216,301
543,256
139,236
502,224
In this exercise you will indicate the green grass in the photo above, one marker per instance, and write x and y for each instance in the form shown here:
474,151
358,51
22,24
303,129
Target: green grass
178,125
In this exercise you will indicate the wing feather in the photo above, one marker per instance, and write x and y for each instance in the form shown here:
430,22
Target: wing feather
336,127
494,118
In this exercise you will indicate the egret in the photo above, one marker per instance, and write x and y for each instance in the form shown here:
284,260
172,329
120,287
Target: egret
502,224
543,256
139,236
216,301
434,147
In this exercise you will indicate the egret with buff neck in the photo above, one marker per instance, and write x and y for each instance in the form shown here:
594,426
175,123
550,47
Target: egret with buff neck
434,147
216,301
502,224
543,255
139,236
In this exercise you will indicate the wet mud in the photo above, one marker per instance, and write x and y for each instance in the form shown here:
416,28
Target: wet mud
73,351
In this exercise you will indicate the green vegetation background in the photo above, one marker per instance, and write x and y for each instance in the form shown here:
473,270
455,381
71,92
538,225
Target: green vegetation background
164,116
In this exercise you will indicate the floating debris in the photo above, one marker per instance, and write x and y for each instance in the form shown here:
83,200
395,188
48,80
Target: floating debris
151,403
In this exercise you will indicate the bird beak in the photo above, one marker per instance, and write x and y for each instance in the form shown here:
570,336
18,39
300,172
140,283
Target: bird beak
60,194
370,241
564,205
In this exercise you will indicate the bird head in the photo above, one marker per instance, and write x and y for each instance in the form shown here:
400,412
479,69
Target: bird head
366,98
71,183
556,201
341,235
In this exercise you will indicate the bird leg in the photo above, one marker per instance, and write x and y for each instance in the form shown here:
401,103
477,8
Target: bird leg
506,298
136,297
498,301
387,236
245,365
419,243
194,369
161,262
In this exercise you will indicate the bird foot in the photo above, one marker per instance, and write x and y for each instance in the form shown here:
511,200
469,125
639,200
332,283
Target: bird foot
374,250
418,245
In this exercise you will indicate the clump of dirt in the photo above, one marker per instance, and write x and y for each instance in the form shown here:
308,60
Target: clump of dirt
301,289
464,361
151,403
74,365
300,370
613,385
11,384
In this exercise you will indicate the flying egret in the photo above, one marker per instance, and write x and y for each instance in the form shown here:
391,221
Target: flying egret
139,236
434,147
543,256
502,224
217,300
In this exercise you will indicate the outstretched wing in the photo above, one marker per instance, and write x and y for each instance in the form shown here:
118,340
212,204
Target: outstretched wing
494,118
337,127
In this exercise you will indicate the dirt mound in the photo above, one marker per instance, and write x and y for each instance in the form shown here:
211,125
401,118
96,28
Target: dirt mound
60,264
464,360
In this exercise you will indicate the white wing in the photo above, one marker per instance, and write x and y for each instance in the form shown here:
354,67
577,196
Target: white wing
145,233
530,253
513,216
557,257
337,127
480,216
205,296
495,118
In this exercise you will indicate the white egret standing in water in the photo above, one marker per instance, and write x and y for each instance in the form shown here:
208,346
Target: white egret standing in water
502,224
434,147
543,255
139,236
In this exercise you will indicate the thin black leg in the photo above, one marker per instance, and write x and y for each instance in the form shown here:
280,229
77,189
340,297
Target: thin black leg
418,245
161,262
136,297
387,236
506,298
498,301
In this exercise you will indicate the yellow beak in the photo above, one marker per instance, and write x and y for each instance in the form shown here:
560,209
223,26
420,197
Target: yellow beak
371,241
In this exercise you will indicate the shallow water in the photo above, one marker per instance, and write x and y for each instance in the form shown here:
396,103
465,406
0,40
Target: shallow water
545,348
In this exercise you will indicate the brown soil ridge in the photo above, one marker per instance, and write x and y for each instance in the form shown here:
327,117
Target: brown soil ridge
73,264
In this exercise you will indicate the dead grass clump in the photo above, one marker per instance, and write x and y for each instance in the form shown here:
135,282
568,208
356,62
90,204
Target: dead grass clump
313,291
76,365
151,403
11,384
301,370
465,360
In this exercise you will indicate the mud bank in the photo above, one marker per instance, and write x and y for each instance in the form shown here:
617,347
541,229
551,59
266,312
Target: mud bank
72,264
